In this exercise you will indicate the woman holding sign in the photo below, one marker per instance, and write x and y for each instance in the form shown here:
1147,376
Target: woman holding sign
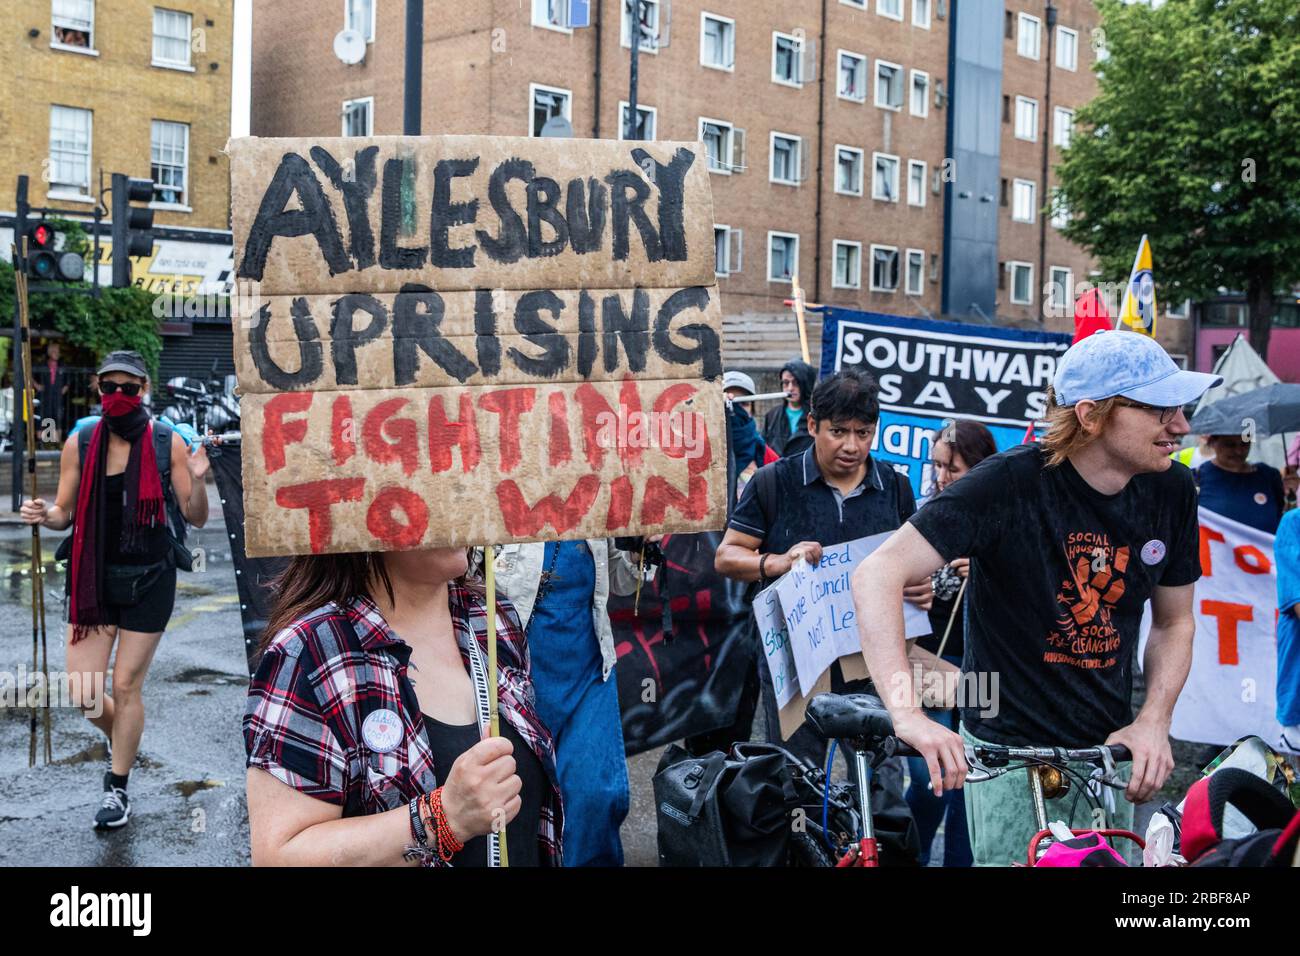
364,725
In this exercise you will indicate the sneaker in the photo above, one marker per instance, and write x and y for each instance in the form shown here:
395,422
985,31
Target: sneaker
114,810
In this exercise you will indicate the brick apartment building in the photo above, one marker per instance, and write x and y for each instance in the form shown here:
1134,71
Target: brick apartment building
135,87
828,124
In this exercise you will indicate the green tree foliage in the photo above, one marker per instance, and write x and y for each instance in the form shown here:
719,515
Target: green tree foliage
1194,139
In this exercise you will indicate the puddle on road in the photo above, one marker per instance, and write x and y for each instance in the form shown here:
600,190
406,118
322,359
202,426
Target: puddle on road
187,788
199,693
201,675
98,753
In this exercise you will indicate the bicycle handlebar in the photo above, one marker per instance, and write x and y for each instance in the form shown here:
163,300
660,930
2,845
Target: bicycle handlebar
999,755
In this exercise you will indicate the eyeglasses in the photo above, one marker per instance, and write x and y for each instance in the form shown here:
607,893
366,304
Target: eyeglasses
1167,413
130,389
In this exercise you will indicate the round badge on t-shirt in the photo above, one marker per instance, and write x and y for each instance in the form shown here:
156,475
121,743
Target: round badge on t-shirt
1261,498
1153,552
382,731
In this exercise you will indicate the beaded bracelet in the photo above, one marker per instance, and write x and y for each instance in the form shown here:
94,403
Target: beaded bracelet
448,845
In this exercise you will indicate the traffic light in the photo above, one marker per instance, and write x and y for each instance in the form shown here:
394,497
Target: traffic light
132,225
45,263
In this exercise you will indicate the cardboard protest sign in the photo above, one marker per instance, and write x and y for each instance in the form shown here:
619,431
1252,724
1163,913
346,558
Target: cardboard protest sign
456,340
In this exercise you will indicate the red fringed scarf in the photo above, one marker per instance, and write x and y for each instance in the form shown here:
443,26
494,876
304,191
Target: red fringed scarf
142,510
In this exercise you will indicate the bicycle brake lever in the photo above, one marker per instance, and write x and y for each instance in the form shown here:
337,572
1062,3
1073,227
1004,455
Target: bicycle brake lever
978,771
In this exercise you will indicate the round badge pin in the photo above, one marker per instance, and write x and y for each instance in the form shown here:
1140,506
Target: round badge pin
1261,498
382,731
1153,552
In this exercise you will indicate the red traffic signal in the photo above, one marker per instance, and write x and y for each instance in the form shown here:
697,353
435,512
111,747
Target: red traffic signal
45,263
43,237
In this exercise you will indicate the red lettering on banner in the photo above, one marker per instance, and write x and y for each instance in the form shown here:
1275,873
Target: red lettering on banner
1227,614
629,401
521,520
381,518
1208,535
664,404
317,497
405,446
559,446
593,405
660,496
620,503
276,432
510,404
343,439
443,434
1258,563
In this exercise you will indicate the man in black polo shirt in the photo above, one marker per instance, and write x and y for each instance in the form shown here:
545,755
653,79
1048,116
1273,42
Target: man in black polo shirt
832,493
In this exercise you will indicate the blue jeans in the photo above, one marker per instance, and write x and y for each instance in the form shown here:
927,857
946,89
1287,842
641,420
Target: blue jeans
928,810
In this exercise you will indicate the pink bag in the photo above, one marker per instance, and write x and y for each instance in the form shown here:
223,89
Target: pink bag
1086,849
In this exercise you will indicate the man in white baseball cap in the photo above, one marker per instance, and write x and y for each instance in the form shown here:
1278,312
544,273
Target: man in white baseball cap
1068,540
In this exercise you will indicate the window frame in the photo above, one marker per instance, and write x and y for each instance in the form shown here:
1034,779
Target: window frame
544,24
1016,183
907,272
796,62
61,190
730,22
726,248
1056,52
911,91
370,116
872,274
856,282
863,59
902,76
897,174
625,27
188,65
88,49
724,167
797,142
1065,307
890,16
1057,111
184,204
1060,216
862,170
925,172
640,107
929,14
774,233
1012,265
1021,19
1033,104
369,33
533,89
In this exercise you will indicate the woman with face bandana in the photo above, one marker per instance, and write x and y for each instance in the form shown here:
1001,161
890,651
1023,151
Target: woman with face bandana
122,573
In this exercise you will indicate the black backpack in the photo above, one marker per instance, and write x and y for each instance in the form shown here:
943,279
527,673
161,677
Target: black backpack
162,452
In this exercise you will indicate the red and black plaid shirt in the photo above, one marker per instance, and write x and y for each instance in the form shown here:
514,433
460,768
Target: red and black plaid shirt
319,678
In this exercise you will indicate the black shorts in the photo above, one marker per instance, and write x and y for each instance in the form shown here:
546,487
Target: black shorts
150,614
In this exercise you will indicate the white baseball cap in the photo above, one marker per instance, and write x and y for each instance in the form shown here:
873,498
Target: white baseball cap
738,380
1110,363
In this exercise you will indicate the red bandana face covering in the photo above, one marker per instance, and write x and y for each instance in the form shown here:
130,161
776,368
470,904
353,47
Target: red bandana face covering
119,404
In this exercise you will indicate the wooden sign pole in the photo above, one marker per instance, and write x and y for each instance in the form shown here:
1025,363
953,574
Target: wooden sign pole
494,719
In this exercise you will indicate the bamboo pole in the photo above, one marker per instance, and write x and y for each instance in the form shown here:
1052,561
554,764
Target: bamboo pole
494,721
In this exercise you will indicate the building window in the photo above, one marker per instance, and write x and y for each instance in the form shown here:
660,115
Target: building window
645,121
1027,36
884,268
169,150
171,38
648,10
848,170
1023,207
70,150
852,77
717,42
916,182
1060,211
860,4
1067,48
1060,293
359,15
551,14
889,85
359,117
890,8
1062,126
884,178
921,14
1026,118
782,256
848,265
548,103
915,278
787,59
1022,283
919,103
721,250
724,145
72,24
786,166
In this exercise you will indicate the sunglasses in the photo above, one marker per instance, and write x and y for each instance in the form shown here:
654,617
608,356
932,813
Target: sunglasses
1167,413
130,389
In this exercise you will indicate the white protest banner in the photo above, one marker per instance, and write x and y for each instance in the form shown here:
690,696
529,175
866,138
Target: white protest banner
776,645
817,607
1231,690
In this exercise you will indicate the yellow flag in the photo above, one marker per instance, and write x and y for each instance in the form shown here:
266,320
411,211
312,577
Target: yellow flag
1138,310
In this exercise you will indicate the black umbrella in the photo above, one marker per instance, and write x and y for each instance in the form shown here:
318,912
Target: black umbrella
1274,409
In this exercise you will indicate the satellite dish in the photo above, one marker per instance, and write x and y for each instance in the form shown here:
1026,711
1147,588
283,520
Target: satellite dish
350,46
557,127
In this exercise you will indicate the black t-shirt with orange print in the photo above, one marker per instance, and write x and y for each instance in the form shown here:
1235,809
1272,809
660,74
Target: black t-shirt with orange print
1059,577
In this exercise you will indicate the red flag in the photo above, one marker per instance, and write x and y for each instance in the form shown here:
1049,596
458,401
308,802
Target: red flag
1031,435
1090,315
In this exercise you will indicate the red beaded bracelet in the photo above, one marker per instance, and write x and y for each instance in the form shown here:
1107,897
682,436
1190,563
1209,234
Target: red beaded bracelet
448,845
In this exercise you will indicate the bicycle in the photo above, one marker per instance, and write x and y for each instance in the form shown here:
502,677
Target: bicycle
861,724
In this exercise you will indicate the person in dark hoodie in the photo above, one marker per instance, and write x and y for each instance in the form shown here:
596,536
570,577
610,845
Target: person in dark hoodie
785,428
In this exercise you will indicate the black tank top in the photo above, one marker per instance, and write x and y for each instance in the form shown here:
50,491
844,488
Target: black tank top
447,742
156,543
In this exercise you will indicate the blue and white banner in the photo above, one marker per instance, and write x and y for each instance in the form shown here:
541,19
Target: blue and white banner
930,371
